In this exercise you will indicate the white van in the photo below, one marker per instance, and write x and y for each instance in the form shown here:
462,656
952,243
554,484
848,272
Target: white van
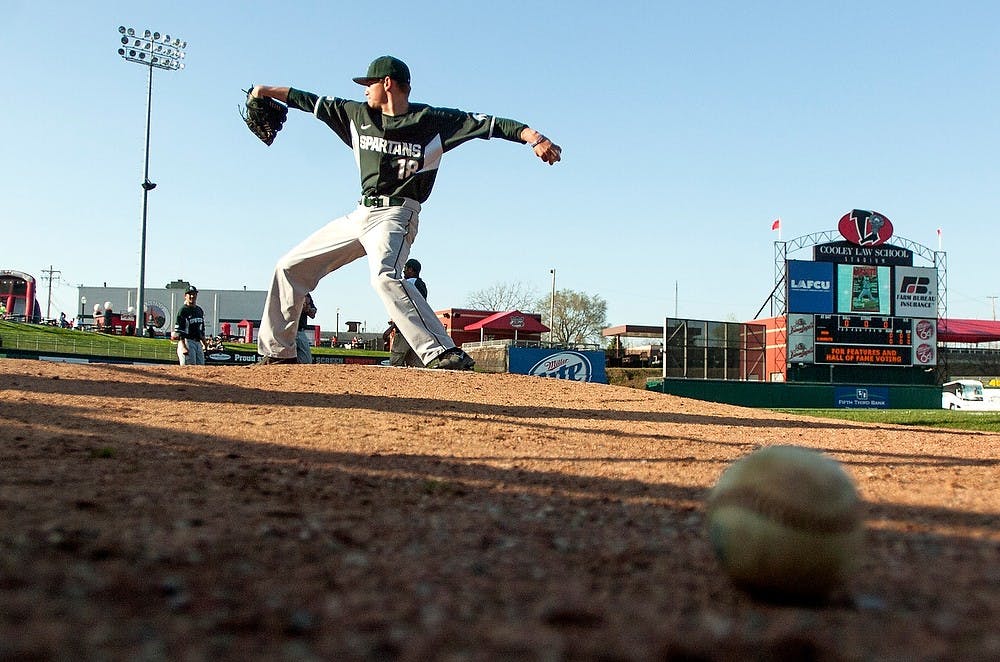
965,394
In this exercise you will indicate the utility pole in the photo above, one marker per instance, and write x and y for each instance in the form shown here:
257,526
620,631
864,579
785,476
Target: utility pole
52,272
994,300
552,306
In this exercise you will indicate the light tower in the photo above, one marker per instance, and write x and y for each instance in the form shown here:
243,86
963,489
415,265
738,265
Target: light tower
151,50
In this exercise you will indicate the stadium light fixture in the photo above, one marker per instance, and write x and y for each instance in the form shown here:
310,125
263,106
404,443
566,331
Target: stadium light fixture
168,57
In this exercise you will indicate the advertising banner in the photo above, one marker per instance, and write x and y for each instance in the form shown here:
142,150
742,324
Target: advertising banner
801,335
863,289
241,357
810,287
230,357
558,363
861,355
925,342
861,397
847,253
916,293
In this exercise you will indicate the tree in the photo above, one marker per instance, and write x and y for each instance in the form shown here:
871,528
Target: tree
579,317
501,297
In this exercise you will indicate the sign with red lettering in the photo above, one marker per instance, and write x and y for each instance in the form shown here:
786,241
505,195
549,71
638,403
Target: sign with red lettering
859,355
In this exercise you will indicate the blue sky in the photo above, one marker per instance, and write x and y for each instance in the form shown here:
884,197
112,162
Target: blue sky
687,128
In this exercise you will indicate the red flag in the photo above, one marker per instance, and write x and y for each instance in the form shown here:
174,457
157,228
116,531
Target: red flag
777,224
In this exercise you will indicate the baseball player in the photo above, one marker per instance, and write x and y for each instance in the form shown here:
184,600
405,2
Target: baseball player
303,348
400,353
398,146
189,330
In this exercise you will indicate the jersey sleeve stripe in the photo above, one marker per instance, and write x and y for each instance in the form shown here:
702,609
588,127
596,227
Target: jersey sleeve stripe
356,145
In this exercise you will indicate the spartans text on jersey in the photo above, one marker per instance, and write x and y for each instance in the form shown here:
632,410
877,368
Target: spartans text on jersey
391,147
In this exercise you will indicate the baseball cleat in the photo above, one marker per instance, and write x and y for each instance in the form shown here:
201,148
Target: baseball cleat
271,360
453,359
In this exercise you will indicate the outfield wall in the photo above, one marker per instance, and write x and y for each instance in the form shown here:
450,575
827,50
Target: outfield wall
212,357
808,396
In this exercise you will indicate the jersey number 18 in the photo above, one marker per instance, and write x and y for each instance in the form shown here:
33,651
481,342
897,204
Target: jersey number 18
407,167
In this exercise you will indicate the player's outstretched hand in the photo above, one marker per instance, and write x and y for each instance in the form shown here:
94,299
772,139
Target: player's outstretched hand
548,151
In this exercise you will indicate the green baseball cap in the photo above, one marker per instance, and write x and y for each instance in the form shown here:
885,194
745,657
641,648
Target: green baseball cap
384,66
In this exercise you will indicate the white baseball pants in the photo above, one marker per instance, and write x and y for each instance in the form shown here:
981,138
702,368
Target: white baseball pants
195,354
384,234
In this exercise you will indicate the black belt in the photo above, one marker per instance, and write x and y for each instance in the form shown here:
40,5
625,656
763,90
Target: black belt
382,201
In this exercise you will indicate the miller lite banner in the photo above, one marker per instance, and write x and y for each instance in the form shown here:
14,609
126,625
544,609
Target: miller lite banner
916,293
557,363
810,287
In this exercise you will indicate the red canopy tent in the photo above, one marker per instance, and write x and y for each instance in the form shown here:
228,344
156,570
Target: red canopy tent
504,323
974,331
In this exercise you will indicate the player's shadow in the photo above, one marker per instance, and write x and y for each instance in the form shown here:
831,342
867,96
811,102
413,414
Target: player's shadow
501,553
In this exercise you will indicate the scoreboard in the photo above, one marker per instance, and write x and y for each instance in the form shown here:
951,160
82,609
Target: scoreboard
861,301
864,340
864,330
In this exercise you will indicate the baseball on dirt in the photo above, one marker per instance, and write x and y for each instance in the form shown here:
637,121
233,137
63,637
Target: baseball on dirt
785,521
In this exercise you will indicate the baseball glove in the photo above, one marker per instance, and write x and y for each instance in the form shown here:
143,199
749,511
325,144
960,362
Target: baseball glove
264,116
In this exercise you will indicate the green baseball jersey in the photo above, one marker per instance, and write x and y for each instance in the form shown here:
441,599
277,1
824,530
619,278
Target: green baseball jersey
399,155
190,322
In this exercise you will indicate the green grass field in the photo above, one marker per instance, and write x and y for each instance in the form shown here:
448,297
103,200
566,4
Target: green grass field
984,421
42,338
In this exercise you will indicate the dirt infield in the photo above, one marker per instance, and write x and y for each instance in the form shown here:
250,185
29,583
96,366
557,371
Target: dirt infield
348,512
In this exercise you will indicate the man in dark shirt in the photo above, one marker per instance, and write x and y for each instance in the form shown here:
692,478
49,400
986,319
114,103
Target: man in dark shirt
189,330
400,353
398,147
303,348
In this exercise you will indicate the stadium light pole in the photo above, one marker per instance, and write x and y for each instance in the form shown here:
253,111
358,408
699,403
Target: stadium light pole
552,305
152,50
